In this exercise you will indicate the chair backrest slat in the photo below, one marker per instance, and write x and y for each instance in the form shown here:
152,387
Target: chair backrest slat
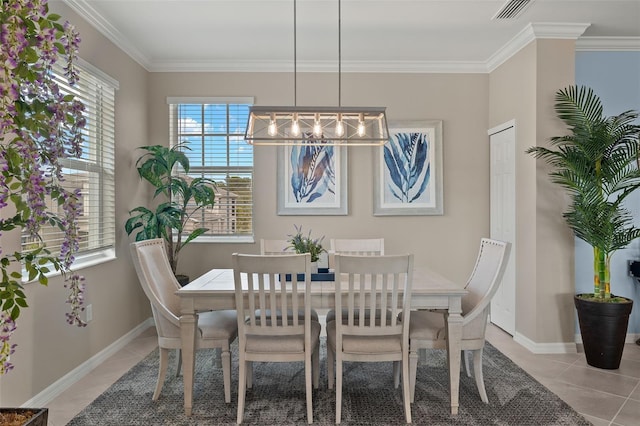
378,288
273,288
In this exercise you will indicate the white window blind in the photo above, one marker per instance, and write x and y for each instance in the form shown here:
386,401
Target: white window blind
94,172
213,130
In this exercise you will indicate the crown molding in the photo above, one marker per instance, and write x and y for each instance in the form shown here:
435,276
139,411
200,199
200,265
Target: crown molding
558,30
615,44
322,66
533,31
88,13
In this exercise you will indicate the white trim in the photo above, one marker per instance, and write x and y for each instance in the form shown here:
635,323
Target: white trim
82,261
91,15
502,127
52,391
512,47
231,239
174,100
529,33
545,348
533,31
610,44
559,30
98,73
450,67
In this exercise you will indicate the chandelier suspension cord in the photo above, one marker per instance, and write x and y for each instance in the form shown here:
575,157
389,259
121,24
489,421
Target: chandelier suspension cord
339,54
295,60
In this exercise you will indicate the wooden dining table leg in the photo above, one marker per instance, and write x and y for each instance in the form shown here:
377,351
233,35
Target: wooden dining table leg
188,327
454,338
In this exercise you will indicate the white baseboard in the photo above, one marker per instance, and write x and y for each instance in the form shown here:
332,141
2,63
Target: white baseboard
545,348
51,392
560,348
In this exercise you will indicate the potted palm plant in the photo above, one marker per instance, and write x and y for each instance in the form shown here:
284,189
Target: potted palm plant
596,164
185,198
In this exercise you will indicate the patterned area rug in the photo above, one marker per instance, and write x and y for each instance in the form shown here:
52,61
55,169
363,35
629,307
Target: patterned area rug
369,398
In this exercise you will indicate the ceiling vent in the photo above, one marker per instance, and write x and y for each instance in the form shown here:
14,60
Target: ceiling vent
511,9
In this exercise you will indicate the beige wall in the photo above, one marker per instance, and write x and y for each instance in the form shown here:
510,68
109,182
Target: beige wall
48,347
468,104
449,243
523,89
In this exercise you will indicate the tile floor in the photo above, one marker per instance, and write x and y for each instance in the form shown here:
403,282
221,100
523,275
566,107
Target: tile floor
603,397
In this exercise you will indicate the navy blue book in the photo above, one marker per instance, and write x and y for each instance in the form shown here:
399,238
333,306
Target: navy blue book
322,275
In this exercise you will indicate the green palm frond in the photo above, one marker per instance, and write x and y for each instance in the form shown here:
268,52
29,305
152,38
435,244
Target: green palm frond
596,163
166,169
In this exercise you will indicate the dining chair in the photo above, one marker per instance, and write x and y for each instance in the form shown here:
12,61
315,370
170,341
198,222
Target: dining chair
262,290
427,329
353,246
361,246
370,283
216,329
276,248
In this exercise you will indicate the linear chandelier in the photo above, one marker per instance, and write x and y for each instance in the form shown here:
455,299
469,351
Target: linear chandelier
301,125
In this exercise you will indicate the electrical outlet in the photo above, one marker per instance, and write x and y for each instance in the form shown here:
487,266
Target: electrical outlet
88,311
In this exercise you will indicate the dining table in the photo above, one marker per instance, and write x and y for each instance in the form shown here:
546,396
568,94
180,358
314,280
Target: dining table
215,290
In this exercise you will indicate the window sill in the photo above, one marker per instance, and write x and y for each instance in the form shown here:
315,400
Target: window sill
82,261
249,239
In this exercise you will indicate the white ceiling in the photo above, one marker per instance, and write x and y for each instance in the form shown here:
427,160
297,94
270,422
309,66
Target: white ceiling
377,35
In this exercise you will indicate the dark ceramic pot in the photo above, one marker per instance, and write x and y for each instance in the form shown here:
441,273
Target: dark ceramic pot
603,327
182,280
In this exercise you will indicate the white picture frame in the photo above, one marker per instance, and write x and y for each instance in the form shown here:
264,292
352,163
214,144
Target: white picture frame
408,174
312,180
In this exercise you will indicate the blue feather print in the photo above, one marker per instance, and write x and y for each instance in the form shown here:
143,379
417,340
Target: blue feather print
407,161
313,174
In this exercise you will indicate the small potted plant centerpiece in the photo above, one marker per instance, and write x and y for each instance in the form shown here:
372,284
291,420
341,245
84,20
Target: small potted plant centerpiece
184,198
597,164
301,243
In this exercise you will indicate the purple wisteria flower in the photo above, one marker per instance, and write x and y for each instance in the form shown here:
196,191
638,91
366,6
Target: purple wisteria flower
40,126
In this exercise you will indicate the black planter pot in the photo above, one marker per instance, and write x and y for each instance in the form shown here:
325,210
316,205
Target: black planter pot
182,279
603,327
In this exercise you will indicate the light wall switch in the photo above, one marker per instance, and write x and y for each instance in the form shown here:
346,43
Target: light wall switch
88,311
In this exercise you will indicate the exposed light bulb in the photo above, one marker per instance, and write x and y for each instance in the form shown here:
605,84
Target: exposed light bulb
361,128
339,126
273,128
317,128
295,126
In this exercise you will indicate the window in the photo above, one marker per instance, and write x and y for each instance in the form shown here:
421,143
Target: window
213,131
93,173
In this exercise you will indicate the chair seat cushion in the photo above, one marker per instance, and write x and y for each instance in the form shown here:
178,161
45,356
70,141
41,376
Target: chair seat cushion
218,324
427,325
282,344
314,314
364,344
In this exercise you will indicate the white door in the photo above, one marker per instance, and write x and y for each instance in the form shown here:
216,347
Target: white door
502,141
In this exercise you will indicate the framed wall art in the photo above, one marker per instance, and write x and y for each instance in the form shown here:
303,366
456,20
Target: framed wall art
312,180
408,170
